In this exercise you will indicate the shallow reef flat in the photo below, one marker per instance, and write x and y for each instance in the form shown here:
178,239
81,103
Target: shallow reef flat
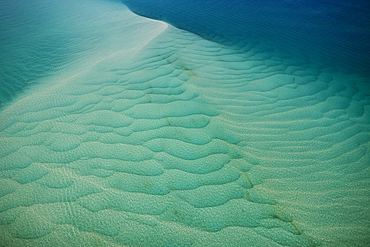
154,136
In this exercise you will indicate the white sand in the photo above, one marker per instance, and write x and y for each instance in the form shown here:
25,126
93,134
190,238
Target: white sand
157,137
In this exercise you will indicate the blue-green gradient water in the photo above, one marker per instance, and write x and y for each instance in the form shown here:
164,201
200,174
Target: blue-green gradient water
184,123
330,33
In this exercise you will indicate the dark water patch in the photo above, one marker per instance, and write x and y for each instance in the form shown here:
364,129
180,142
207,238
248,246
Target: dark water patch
328,33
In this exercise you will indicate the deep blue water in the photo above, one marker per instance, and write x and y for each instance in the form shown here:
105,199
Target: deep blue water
331,34
323,32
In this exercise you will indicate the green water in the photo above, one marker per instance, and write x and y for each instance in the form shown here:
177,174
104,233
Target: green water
118,130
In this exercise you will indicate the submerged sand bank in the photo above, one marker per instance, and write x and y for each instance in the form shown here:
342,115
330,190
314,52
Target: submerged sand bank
157,137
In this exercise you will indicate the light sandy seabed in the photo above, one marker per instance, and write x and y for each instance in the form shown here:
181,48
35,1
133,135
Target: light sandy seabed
153,136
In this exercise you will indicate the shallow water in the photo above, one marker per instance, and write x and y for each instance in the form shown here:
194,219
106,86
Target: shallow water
219,125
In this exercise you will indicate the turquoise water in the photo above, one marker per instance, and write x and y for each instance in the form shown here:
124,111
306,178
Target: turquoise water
184,123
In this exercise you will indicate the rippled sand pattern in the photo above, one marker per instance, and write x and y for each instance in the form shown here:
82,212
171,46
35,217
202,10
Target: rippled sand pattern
172,140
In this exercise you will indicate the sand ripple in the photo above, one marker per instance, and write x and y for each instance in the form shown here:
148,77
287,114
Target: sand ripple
175,140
